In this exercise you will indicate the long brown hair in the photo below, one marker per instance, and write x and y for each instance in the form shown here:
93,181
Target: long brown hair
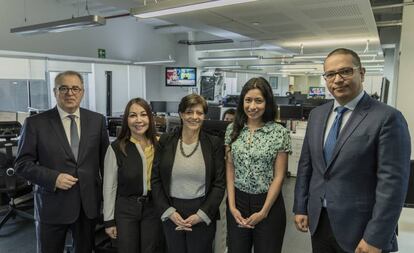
125,133
241,117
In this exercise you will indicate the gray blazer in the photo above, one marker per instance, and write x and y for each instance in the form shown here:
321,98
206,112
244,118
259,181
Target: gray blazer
44,152
366,181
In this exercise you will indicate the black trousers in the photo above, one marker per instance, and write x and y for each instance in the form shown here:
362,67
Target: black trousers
51,237
323,240
138,225
267,236
200,240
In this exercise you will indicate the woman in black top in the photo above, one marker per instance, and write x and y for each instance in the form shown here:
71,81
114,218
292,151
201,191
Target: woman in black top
129,213
188,181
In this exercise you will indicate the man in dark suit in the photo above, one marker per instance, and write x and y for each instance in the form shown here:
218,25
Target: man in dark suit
61,151
353,171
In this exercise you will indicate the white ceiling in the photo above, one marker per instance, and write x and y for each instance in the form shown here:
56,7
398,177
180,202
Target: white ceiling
289,26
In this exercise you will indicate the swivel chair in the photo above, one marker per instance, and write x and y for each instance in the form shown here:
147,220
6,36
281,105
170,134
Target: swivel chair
10,184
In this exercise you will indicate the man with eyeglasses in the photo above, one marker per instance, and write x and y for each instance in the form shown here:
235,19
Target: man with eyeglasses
354,167
61,151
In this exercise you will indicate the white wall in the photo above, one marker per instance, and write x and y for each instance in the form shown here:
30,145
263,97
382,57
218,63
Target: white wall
405,89
127,82
123,38
18,68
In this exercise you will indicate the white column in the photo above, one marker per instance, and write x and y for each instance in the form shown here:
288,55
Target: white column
405,89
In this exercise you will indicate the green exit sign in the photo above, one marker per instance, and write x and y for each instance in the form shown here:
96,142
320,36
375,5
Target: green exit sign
101,53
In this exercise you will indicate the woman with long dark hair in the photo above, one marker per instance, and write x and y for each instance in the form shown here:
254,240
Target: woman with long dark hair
256,161
188,181
129,212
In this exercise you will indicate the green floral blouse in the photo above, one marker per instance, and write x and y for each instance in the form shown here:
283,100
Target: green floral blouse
254,155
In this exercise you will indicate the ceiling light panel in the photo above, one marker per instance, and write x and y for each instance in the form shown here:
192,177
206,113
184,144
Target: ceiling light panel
174,7
61,25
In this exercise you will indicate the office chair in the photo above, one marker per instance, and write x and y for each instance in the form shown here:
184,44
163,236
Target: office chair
10,184
14,187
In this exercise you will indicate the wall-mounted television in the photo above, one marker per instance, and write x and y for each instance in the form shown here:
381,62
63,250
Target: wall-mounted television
316,91
180,76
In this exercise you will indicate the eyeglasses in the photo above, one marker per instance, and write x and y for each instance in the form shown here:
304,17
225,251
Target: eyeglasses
65,90
343,73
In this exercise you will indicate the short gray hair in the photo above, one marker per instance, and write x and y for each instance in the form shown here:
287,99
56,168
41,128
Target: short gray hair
60,76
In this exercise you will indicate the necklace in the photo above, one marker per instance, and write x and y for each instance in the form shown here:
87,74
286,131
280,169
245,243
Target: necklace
182,149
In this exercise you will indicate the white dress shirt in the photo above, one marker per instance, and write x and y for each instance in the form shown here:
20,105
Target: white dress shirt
66,121
345,117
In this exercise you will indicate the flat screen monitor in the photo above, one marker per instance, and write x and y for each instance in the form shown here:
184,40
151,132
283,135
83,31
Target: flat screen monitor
316,91
158,106
172,107
180,76
385,85
281,100
213,112
231,100
290,112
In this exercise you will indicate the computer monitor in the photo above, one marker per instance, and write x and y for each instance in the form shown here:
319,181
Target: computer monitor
172,107
385,85
231,100
315,101
317,91
158,106
281,100
215,127
213,113
299,98
113,124
290,112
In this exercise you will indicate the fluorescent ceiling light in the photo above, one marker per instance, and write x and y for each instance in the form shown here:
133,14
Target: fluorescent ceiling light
229,58
371,61
223,67
305,56
61,25
180,6
154,62
330,42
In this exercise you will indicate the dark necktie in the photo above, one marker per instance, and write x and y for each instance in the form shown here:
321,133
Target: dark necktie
333,134
74,136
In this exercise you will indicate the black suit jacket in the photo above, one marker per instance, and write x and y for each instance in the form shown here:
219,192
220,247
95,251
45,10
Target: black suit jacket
44,152
213,153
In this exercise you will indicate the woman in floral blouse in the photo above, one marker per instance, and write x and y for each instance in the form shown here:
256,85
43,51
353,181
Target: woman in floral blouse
256,161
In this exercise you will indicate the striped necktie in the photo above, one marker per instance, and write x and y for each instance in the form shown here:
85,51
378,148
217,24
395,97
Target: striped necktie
333,134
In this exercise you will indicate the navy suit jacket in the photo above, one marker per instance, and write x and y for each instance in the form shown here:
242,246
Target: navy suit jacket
366,181
44,152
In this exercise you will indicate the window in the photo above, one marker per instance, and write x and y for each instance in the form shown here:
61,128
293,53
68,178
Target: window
19,95
273,81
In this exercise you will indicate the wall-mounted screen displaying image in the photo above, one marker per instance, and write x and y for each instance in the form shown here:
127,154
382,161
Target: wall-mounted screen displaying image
180,76
316,91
